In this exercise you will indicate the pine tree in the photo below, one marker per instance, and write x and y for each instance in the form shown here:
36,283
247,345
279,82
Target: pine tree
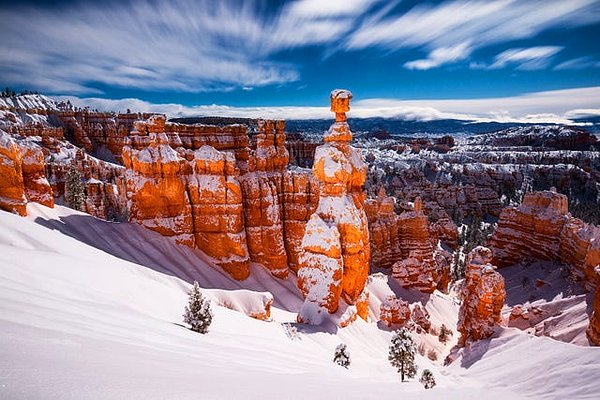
444,332
427,379
341,356
197,313
75,190
402,354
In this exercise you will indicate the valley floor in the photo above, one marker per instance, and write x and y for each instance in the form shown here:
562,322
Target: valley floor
103,320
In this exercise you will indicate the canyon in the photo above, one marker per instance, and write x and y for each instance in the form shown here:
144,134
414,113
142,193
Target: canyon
243,194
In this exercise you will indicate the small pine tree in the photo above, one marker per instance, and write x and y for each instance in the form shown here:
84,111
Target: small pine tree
444,332
341,356
427,379
402,354
75,191
197,313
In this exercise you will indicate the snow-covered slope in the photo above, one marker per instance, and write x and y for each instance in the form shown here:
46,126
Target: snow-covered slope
79,323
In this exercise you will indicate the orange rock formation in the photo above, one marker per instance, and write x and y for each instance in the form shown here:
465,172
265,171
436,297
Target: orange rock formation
37,187
542,229
593,331
417,269
12,188
483,297
383,231
335,258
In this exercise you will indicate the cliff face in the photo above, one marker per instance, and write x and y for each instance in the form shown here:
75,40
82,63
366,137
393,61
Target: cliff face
215,195
383,231
12,188
542,229
335,258
482,297
417,269
593,331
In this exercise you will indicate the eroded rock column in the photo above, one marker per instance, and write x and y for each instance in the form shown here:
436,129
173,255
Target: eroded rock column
483,297
335,258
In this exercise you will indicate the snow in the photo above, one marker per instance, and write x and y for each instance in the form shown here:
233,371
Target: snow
102,322
341,94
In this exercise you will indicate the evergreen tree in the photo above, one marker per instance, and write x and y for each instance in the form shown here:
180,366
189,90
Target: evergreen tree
341,356
402,354
74,189
444,332
197,313
427,379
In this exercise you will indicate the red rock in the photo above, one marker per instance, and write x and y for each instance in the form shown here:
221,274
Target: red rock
217,210
593,330
542,229
335,258
394,311
383,231
12,188
580,248
531,231
300,199
483,297
37,187
417,269
159,200
420,317
264,225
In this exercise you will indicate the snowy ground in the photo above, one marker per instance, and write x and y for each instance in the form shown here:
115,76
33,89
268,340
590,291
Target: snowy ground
79,323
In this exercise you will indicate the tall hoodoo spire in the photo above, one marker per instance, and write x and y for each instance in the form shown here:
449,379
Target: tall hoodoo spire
335,258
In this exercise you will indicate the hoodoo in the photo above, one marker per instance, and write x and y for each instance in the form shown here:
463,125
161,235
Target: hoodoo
335,258
483,297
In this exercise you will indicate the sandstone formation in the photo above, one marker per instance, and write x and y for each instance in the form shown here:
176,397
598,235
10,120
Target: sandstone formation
417,269
420,316
37,187
530,231
159,200
263,196
483,297
217,210
543,229
593,331
335,258
383,231
394,311
300,199
12,188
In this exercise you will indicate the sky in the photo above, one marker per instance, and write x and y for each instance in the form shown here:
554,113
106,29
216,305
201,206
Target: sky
481,59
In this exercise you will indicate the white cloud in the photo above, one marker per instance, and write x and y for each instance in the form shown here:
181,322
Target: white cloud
578,63
558,106
442,55
483,23
526,59
182,45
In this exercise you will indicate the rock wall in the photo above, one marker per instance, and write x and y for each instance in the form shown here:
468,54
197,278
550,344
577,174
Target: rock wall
335,259
37,187
383,231
12,187
417,268
542,229
593,331
483,297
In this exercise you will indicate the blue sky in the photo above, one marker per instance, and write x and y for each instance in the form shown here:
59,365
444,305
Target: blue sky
450,56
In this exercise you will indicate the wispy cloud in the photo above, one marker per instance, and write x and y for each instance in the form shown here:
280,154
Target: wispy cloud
558,106
482,23
442,55
526,59
181,45
578,63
